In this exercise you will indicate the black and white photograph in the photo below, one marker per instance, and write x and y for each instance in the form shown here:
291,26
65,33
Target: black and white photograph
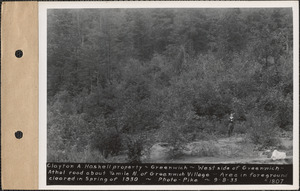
170,85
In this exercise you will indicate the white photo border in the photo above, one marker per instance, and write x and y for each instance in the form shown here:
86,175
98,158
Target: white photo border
44,6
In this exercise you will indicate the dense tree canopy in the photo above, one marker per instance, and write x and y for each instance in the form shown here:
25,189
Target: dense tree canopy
149,72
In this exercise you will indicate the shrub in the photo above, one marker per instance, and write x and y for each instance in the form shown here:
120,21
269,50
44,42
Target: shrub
262,131
216,106
240,128
135,148
222,128
108,141
203,149
93,156
176,139
285,115
281,106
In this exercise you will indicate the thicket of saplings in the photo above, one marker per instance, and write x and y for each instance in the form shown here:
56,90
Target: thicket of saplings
120,81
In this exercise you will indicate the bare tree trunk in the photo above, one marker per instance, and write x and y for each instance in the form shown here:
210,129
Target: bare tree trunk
81,37
108,51
287,44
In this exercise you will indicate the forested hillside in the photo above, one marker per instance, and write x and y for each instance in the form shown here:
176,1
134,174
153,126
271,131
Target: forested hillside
121,80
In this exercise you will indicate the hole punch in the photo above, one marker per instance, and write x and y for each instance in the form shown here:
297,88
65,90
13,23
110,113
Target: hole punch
19,134
19,53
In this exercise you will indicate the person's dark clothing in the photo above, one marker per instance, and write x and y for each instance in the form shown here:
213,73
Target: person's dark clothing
230,126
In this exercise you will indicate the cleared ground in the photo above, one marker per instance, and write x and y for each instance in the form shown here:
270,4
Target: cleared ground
235,149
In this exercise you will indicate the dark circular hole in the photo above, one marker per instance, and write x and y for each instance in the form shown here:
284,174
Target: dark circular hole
19,134
19,53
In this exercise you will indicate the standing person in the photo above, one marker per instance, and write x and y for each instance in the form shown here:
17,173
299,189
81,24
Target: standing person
231,124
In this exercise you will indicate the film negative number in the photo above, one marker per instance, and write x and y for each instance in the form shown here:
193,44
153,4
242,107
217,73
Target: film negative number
276,181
